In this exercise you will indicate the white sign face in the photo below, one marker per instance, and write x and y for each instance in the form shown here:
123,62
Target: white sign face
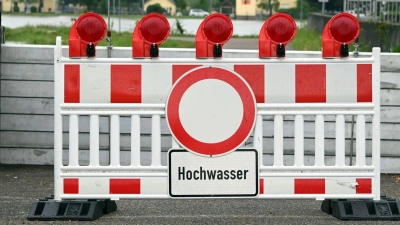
231,175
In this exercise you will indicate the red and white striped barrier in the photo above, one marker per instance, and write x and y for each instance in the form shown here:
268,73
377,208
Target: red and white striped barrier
270,187
93,187
135,88
317,186
328,82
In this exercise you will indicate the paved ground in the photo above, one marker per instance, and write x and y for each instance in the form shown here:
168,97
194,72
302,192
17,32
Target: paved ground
242,43
21,185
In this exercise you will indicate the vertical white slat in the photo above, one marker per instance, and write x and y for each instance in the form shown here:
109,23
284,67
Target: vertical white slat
360,140
175,144
73,140
155,141
258,138
58,128
319,140
299,141
135,140
340,140
278,141
114,140
94,140
376,123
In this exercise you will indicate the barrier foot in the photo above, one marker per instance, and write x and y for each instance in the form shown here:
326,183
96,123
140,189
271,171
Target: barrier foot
362,209
48,209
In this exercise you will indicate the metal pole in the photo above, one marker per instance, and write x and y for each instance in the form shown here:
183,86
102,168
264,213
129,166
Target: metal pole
352,140
375,10
3,35
109,47
355,54
119,14
301,13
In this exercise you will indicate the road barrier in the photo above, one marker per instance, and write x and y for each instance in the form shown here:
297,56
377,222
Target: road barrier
214,107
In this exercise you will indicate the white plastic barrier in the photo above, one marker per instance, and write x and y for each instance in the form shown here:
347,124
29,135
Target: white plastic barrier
308,89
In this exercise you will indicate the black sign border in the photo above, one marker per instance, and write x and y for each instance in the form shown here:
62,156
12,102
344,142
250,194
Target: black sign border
219,195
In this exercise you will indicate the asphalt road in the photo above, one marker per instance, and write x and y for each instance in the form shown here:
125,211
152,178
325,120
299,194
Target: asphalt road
21,185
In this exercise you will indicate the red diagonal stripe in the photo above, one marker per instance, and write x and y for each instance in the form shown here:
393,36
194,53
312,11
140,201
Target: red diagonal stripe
364,186
309,186
261,186
126,83
364,82
179,70
254,75
71,83
71,186
310,83
124,186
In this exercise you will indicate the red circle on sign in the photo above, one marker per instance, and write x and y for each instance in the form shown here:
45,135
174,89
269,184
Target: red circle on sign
175,123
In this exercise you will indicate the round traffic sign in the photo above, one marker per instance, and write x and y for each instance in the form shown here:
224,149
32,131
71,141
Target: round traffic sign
211,111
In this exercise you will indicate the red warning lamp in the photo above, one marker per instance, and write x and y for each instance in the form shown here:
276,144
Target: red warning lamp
152,30
88,30
212,34
340,31
276,32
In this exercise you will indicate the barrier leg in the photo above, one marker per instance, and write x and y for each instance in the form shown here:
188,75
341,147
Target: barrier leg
49,209
362,209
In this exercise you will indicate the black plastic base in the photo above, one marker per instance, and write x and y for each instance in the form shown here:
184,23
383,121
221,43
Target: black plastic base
48,209
362,209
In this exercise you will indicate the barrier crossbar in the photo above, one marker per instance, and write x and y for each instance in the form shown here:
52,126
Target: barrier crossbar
289,113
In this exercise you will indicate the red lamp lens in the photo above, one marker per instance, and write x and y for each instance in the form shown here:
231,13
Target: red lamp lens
281,28
154,28
344,28
91,28
217,28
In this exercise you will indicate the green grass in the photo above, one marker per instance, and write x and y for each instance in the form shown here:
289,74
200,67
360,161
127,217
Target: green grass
310,40
306,40
124,39
46,35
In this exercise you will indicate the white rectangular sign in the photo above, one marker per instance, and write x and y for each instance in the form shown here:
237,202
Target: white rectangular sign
231,175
